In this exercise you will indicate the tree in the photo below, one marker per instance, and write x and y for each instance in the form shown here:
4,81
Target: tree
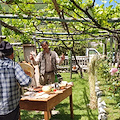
78,18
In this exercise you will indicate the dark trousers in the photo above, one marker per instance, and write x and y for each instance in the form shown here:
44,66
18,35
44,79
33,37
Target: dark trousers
14,115
47,78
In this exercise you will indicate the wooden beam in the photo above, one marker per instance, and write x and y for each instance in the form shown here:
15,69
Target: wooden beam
52,39
10,16
50,33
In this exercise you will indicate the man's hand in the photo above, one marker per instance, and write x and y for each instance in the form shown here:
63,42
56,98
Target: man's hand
63,57
32,55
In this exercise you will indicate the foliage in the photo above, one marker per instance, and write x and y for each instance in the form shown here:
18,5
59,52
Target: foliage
100,49
111,75
103,70
18,54
98,15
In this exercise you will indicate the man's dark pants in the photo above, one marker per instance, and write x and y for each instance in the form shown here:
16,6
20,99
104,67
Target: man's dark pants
14,115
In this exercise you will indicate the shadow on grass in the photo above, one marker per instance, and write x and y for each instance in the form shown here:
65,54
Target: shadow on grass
87,113
31,115
62,115
64,112
90,115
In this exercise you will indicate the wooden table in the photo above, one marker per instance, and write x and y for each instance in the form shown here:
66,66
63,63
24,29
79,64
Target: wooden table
46,105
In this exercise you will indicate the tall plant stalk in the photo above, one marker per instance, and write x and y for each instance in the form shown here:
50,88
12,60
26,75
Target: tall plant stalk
92,79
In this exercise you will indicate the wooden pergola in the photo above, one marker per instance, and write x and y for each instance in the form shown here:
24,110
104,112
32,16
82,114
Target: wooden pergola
9,16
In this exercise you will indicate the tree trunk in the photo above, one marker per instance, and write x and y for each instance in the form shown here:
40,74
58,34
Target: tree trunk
105,47
80,69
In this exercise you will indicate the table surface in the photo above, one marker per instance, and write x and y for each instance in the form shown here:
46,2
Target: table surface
46,104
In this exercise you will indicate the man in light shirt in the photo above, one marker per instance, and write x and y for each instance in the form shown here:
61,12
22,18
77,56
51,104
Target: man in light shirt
48,60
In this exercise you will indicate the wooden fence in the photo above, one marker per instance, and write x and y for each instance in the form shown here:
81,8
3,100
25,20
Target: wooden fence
81,60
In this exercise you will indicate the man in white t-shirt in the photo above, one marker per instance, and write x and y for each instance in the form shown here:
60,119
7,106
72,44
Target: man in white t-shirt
48,60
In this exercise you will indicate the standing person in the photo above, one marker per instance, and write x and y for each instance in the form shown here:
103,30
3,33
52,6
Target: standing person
11,76
48,60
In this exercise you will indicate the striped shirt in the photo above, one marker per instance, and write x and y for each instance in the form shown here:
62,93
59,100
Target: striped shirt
11,76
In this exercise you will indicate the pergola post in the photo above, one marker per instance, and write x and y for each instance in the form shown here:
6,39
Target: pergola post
0,32
70,64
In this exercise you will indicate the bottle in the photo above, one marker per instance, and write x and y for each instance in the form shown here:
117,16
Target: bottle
56,78
56,82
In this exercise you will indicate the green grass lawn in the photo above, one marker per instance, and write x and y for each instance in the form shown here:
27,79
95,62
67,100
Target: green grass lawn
80,101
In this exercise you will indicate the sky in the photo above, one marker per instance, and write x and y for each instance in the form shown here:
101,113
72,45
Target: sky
107,2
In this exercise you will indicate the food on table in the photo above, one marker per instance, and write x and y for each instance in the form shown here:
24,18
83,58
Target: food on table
28,93
44,95
63,84
71,84
39,88
46,89
39,93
